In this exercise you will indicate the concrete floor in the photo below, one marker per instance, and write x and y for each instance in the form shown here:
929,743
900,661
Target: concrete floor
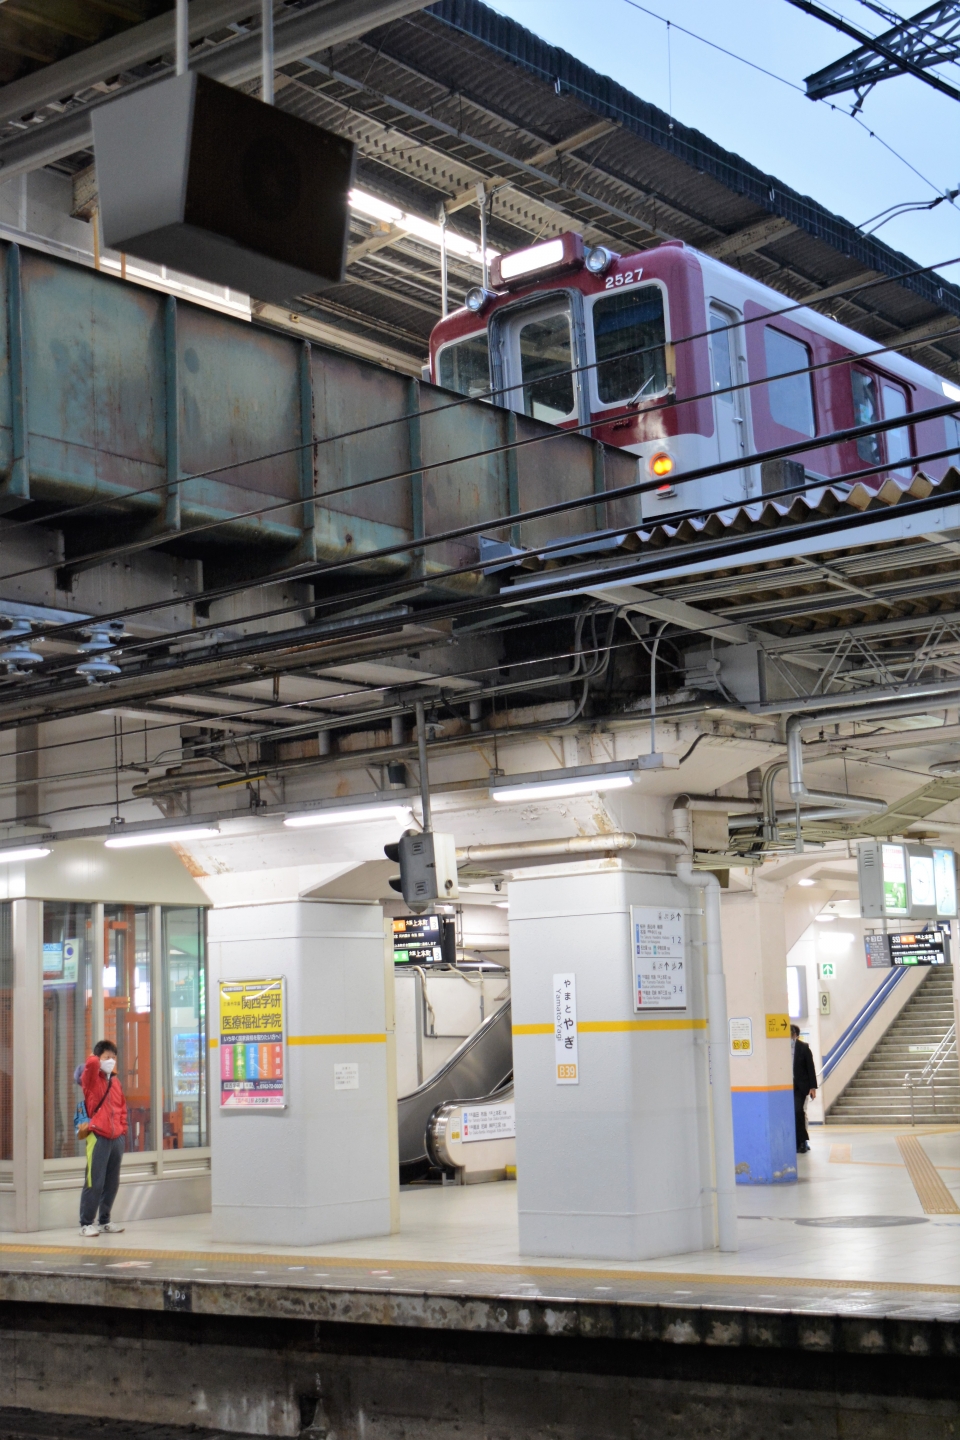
850,1177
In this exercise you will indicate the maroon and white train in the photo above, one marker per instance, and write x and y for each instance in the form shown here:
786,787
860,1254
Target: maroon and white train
579,337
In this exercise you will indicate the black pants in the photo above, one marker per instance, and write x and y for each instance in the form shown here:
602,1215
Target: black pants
799,1096
102,1180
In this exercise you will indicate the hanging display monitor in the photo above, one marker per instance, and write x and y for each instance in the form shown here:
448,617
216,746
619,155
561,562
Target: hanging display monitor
923,891
924,947
424,940
945,882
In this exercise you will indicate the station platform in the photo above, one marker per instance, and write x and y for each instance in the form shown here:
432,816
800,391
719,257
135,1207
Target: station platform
853,1271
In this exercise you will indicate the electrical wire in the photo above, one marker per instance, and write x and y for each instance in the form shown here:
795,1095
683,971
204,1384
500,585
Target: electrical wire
276,506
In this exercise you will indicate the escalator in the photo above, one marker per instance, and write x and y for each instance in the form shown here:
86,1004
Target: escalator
476,1070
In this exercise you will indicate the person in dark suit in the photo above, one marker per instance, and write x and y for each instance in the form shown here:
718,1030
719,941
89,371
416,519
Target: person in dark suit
804,1084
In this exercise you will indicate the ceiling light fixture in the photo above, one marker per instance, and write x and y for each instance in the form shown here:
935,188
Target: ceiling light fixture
824,919
553,789
806,881
161,837
28,852
350,815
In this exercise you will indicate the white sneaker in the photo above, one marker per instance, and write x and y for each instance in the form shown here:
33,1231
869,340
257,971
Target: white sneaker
91,1231
111,1229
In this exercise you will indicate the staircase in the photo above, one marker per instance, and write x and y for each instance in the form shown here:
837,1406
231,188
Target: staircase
877,1095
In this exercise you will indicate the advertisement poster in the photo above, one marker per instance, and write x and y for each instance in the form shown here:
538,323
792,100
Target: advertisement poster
565,1029
894,859
945,881
658,958
252,1045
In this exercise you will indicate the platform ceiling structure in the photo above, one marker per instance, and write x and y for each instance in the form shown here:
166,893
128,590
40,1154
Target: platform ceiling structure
261,668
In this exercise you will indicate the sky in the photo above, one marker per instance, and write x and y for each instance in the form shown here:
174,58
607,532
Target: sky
816,150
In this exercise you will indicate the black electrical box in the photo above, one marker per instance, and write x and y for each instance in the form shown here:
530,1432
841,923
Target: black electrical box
209,181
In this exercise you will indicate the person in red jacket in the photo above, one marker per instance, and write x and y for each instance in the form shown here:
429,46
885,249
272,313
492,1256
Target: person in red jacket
107,1123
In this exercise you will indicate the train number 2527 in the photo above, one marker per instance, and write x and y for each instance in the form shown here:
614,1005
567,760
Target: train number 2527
628,277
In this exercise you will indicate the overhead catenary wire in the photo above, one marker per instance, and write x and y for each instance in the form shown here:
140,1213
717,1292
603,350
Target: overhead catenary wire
610,576
669,401
163,487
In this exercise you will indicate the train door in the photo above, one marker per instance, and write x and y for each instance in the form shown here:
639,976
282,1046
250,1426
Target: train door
537,346
729,416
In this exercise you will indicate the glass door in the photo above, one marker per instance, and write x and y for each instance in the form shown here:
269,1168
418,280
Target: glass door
537,353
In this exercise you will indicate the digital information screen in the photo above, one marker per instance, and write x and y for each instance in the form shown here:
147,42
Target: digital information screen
424,940
894,862
924,947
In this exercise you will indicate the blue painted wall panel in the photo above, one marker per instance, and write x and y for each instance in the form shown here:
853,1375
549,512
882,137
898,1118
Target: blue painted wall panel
764,1137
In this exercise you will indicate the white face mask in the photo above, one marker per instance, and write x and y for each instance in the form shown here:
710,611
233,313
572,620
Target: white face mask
108,1064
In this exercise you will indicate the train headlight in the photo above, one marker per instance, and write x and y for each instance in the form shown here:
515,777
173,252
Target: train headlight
477,298
599,259
661,464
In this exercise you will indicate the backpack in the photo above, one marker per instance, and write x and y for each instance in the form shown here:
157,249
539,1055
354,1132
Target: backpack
81,1120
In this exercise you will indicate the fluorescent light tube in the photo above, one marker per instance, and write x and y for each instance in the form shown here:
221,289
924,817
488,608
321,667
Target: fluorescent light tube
349,815
161,837
550,789
29,852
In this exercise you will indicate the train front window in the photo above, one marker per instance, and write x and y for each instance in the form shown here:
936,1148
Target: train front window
546,362
629,335
464,366
866,410
791,399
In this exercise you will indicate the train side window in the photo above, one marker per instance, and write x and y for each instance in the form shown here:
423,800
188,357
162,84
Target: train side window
546,364
898,441
464,366
791,399
866,409
629,335
953,438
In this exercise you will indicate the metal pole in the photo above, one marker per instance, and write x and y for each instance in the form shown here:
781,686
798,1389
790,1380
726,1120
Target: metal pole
653,689
266,36
424,774
482,202
182,35
444,298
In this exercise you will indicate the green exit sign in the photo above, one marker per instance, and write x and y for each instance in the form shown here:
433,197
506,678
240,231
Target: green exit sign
828,969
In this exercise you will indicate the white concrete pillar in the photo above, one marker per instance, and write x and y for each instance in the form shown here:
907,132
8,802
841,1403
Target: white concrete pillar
617,1165
761,1079
322,1168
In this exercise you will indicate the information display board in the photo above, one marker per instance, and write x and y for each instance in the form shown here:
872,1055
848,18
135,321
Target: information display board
425,940
658,937
252,1044
906,882
489,1122
894,863
924,947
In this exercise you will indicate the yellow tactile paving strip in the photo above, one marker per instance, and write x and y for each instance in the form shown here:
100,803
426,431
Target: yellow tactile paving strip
380,1266
931,1191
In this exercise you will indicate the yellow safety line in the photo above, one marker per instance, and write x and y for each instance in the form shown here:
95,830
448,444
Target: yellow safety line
757,1089
384,1263
931,1191
606,1027
336,1039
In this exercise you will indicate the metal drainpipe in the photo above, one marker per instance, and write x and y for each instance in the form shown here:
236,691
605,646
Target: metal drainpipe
717,1038
266,42
531,850
863,804
182,37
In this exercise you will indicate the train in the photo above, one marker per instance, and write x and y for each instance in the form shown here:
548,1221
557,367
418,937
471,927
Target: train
686,362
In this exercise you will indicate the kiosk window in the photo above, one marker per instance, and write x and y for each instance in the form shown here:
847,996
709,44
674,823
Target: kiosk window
629,335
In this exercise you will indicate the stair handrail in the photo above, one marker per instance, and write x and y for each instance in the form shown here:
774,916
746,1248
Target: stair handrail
860,1021
928,1075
